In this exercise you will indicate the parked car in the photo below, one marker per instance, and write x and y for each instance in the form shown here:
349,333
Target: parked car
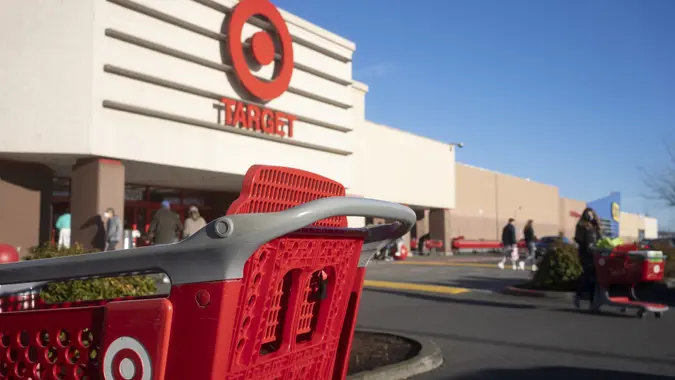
546,241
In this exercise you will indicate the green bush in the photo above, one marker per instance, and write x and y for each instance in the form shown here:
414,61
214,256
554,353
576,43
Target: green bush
89,289
559,269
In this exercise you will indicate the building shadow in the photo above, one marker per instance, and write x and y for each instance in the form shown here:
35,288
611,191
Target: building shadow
450,299
657,293
600,313
554,373
97,230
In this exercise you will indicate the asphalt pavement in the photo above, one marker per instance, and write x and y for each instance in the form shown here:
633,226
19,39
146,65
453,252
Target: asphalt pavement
486,335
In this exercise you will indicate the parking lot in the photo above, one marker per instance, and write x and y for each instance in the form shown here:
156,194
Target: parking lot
487,335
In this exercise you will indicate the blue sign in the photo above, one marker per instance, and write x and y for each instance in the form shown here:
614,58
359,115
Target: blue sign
609,213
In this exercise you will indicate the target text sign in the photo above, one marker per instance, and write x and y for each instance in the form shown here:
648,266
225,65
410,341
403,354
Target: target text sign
261,48
235,113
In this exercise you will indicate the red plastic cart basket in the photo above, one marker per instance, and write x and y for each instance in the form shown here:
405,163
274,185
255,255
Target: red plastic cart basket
621,266
629,268
270,291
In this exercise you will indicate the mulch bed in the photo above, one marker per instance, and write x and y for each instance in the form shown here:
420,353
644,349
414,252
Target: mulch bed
374,350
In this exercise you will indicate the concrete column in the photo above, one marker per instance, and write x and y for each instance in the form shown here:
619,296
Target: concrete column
422,225
25,204
406,240
95,185
439,227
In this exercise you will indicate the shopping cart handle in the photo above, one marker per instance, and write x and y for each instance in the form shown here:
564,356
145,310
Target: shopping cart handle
268,226
220,250
261,228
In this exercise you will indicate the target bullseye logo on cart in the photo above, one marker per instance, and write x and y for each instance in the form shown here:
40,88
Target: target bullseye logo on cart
262,50
127,359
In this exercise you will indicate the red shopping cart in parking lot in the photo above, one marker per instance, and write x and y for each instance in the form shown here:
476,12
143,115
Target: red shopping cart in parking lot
625,266
269,291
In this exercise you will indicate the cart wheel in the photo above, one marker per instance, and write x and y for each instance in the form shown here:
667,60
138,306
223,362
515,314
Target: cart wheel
641,314
657,315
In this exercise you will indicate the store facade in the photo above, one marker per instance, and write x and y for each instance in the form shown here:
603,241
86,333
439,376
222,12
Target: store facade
487,199
126,103
143,101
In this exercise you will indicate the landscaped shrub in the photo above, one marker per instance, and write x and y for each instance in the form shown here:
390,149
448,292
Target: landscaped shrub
89,289
559,269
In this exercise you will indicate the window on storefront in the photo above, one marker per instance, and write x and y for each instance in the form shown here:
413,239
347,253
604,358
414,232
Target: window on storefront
134,192
194,198
159,194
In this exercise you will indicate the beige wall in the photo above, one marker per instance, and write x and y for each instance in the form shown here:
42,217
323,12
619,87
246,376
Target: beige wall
487,199
474,216
523,199
651,226
86,57
382,153
568,221
631,224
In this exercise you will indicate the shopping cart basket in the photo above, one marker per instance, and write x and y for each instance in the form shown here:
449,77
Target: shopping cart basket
627,268
270,291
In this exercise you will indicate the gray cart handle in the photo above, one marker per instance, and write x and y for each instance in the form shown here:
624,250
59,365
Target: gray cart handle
219,250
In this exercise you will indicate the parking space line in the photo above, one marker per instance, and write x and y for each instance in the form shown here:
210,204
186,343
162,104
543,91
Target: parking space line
415,287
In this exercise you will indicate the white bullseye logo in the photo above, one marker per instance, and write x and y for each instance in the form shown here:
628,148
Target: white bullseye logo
127,359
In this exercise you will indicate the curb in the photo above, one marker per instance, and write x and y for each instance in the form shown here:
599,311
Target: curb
429,358
520,292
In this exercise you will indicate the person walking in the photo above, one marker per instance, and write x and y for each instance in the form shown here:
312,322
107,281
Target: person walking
586,235
113,231
165,226
193,223
531,241
63,226
510,245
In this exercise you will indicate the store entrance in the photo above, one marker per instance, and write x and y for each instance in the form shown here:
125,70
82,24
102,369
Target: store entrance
139,214
141,203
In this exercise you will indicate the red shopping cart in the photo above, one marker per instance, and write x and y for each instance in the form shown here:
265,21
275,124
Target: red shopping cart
625,266
270,291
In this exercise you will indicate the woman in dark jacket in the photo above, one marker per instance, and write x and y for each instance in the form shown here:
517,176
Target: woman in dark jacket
586,235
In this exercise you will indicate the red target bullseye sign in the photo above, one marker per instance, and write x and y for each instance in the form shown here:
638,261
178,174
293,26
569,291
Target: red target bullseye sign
127,359
238,114
262,49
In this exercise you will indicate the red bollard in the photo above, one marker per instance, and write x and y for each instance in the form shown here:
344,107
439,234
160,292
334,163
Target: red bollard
8,254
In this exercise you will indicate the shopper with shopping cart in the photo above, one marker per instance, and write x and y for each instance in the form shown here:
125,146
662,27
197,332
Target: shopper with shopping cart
586,236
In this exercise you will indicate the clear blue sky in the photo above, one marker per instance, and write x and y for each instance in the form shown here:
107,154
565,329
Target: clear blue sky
574,93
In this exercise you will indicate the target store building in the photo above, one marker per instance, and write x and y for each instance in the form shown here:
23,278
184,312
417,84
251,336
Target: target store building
126,103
